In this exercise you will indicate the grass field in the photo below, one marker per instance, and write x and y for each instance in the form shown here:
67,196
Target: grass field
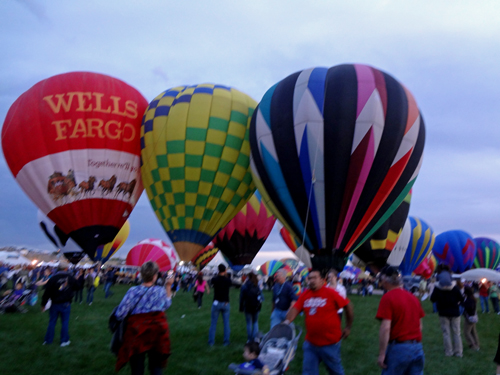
21,337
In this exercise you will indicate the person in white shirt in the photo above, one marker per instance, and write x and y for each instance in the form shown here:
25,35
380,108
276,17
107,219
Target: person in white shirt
333,282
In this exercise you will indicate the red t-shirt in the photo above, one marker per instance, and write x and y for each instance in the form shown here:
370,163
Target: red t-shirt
404,311
322,321
483,290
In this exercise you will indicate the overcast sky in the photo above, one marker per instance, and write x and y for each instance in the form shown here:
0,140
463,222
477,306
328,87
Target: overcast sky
445,52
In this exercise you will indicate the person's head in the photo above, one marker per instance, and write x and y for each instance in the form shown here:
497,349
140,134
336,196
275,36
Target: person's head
149,271
390,278
253,278
222,269
469,292
46,272
332,276
315,279
251,350
280,276
63,266
19,286
199,278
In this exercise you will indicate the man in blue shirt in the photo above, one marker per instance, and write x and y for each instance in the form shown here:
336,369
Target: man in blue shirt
283,297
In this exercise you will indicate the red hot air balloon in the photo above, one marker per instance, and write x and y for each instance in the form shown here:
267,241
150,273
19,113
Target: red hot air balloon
155,250
241,239
72,142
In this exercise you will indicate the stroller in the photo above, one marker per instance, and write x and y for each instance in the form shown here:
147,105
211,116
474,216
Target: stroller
277,349
16,303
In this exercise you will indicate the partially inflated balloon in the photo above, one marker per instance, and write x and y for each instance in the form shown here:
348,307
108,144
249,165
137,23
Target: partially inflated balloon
290,262
488,253
71,251
456,249
72,142
153,250
427,267
270,267
375,251
421,243
105,252
241,239
204,257
334,153
294,244
196,165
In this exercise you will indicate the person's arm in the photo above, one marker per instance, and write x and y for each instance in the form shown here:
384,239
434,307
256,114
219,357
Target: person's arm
383,340
207,288
349,317
291,315
168,287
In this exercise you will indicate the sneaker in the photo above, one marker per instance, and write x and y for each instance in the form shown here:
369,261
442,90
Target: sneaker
66,343
46,343
90,304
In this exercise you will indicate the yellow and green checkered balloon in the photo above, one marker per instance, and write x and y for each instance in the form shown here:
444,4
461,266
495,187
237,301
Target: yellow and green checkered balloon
196,161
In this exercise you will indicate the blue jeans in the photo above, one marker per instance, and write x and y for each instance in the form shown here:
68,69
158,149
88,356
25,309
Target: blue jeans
220,308
329,354
404,359
56,310
484,304
90,294
252,325
277,316
107,289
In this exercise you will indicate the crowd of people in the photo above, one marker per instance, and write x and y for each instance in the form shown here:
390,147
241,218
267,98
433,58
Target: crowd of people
323,299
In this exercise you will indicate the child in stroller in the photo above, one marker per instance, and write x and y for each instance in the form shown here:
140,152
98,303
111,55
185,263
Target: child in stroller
277,349
15,300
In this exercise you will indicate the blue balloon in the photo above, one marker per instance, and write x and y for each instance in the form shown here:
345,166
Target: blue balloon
420,245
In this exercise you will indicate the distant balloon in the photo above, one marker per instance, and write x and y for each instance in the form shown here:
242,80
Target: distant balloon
242,238
204,257
270,267
488,253
290,262
196,161
105,252
376,251
456,249
155,250
334,153
420,245
302,271
427,267
72,142
71,251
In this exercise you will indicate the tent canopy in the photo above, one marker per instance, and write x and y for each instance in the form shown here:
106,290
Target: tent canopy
13,258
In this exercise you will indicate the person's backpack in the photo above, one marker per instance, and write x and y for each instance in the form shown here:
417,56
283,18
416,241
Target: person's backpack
253,300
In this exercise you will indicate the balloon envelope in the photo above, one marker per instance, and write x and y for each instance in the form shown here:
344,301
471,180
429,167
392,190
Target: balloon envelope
270,267
241,239
105,252
155,250
72,143
487,253
334,153
204,257
399,250
376,251
421,243
456,249
196,165
71,251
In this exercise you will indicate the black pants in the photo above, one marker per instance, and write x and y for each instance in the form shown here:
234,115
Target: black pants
199,298
154,363
79,295
497,356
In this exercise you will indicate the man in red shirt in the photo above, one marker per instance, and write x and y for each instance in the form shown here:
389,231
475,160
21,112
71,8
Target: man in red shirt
400,335
323,329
